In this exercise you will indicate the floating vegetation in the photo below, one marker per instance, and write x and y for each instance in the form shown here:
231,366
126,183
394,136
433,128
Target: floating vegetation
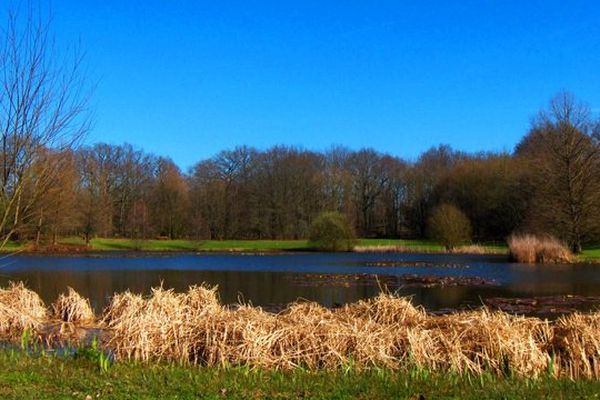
543,305
412,264
390,281
428,281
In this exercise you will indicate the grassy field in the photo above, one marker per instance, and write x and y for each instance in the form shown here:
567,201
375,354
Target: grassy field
589,254
80,377
108,244
101,244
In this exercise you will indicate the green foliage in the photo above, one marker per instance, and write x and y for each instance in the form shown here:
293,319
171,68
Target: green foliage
449,226
94,354
25,339
331,231
52,377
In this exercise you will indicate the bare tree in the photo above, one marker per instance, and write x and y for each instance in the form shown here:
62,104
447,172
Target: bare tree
43,105
565,163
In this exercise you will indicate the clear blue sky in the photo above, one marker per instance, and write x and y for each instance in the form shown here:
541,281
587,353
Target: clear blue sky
190,78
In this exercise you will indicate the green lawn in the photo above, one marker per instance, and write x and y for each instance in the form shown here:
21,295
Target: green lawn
48,377
422,244
109,244
590,254
191,245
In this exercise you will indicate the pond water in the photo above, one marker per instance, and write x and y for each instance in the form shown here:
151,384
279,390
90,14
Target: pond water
331,279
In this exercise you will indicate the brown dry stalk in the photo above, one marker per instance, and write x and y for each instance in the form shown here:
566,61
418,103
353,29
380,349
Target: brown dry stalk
384,332
71,307
530,249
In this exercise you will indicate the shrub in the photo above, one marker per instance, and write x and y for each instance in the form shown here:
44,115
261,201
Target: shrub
531,249
331,231
449,226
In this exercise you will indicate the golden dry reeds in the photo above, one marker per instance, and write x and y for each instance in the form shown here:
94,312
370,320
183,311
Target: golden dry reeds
20,309
577,344
383,332
467,249
71,307
530,249
477,341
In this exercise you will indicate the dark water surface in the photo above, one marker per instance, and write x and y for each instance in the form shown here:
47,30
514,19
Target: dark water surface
328,278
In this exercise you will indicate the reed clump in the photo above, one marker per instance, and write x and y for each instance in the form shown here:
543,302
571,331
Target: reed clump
467,249
382,332
20,309
478,341
71,307
392,248
164,326
530,249
577,344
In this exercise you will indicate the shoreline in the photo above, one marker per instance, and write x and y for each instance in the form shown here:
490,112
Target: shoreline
125,247
385,331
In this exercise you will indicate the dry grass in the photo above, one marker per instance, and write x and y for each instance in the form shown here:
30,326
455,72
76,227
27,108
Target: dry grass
20,309
532,249
474,249
384,332
470,249
577,342
71,307
391,248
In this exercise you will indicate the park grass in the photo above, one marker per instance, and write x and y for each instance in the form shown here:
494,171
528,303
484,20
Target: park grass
35,376
589,254
183,245
114,244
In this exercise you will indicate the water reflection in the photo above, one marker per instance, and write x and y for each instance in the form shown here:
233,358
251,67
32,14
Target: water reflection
273,280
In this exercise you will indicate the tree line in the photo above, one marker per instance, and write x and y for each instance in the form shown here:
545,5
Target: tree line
550,184
50,186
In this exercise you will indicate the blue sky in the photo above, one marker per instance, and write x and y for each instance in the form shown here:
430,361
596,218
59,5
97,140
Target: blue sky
187,79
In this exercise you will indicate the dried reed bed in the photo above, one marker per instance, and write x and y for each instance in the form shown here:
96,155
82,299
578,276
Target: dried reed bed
577,345
469,249
71,307
482,340
20,309
530,249
165,326
391,248
384,332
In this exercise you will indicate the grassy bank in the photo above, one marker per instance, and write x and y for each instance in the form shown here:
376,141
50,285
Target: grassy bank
113,244
49,377
589,254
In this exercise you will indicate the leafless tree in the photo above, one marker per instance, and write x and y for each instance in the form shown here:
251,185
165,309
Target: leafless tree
43,105
565,160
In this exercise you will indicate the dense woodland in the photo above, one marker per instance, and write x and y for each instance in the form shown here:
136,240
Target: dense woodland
51,186
549,184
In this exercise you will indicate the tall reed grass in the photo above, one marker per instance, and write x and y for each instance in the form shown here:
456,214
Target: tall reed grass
532,249
382,332
71,307
20,309
467,249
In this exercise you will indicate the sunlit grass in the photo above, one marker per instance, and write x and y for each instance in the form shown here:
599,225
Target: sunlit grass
50,377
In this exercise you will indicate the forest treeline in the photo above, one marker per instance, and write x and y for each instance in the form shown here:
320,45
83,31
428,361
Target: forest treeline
549,184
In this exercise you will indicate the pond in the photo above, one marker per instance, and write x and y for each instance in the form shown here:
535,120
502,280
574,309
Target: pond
439,282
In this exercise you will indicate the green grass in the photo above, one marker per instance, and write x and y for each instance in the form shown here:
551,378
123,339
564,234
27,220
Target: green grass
590,254
417,243
102,244
24,376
